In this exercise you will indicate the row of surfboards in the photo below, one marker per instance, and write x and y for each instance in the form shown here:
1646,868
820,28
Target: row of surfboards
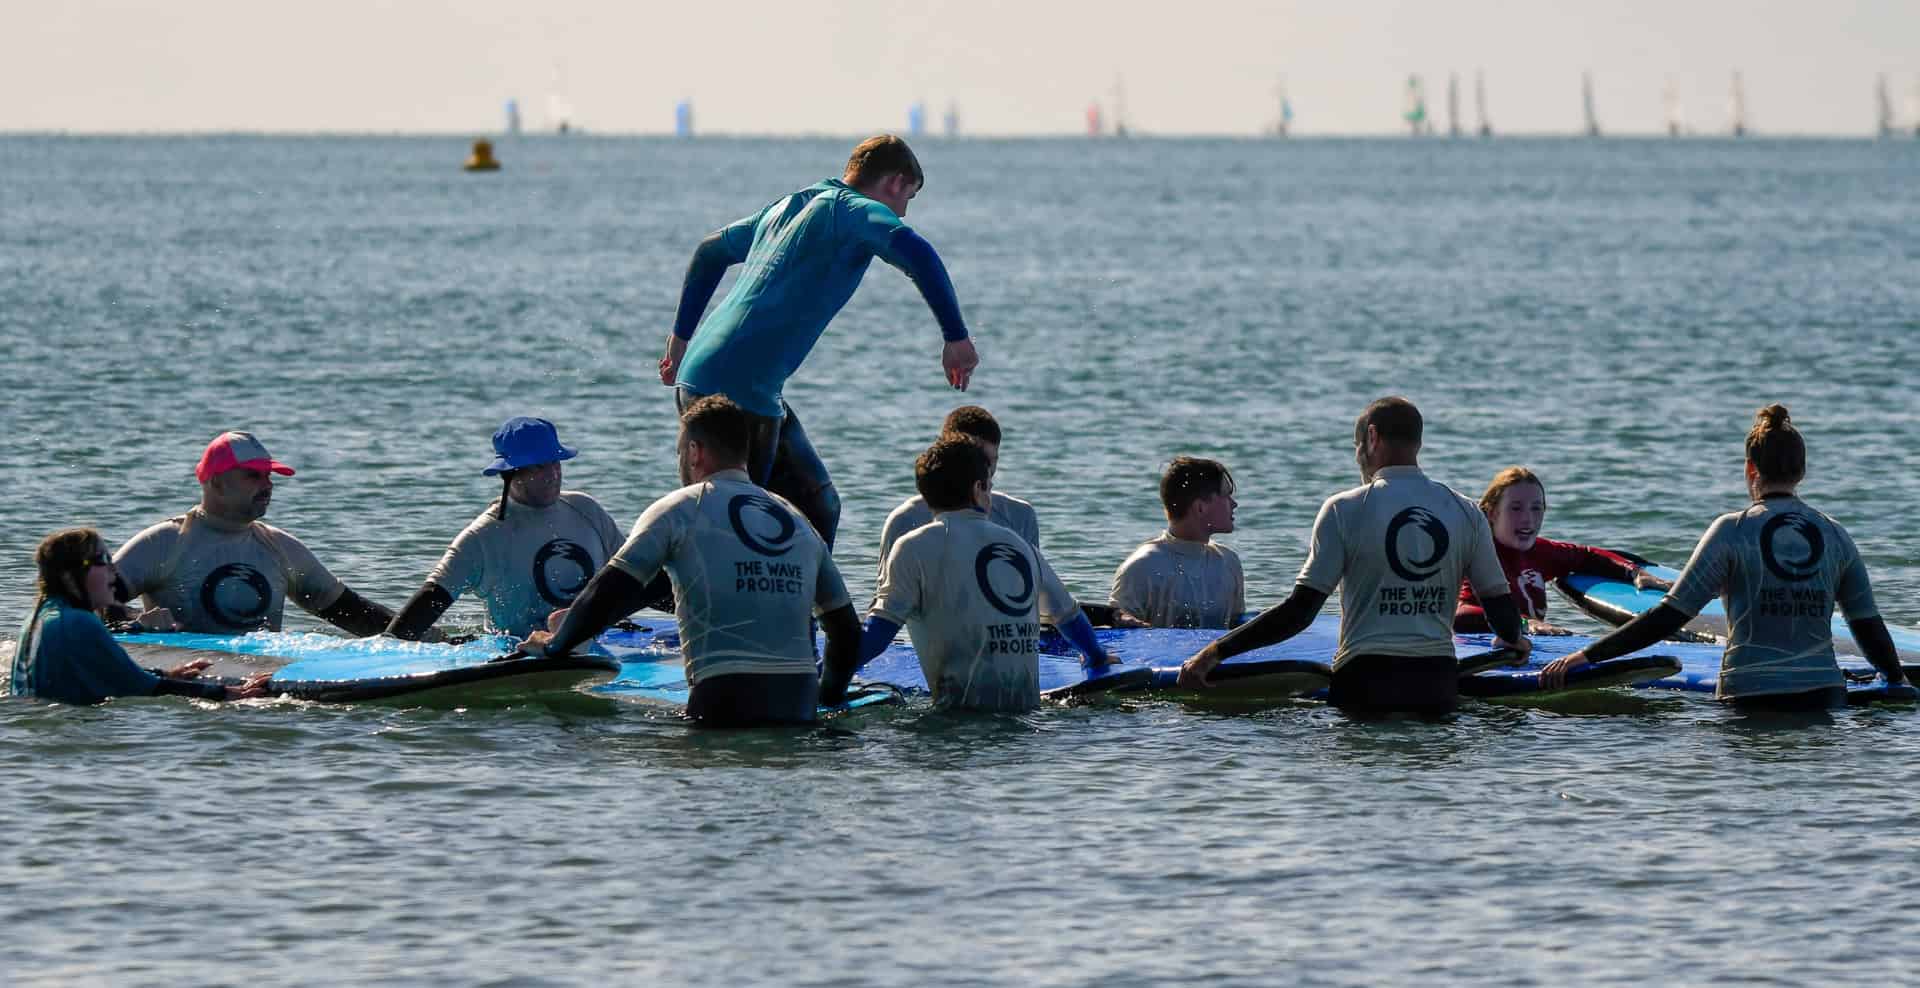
640,661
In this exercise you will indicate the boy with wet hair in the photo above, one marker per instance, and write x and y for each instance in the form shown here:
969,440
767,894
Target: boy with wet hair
970,592
979,425
1181,578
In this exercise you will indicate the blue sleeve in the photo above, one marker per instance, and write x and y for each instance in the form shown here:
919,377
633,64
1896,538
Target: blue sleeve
911,253
99,667
878,636
1079,631
721,250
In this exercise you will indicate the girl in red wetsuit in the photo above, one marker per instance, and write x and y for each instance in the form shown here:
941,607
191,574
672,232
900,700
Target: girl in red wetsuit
1516,504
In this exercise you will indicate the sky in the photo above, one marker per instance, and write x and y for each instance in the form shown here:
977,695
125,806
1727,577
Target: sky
1012,67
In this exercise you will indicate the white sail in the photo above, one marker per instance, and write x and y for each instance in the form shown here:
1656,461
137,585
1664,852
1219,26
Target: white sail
1676,117
953,119
1452,104
1586,100
1883,107
1480,102
559,111
1120,127
1738,107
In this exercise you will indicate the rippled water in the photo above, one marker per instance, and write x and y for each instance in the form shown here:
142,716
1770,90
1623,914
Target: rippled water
1609,313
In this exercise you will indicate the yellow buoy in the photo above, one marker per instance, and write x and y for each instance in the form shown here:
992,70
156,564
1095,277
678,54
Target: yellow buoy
482,160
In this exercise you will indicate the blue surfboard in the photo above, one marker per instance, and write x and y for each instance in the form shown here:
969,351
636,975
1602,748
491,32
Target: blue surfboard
1617,602
327,668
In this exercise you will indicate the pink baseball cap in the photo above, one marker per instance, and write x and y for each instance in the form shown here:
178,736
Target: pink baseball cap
231,450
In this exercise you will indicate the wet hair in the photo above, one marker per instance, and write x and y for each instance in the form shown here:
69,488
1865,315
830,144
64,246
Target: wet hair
1395,420
1510,477
946,472
880,156
506,485
972,420
720,425
1775,448
63,554
1188,479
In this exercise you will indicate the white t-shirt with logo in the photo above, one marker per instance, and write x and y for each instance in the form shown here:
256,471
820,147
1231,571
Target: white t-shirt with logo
1398,548
1781,567
217,578
1177,583
912,513
532,563
972,594
748,572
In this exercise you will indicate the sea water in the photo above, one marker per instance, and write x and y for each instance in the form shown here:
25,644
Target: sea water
1608,313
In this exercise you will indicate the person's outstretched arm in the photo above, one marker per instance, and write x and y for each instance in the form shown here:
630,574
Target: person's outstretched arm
420,612
1271,626
1877,644
722,249
917,259
848,648
356,615
611,595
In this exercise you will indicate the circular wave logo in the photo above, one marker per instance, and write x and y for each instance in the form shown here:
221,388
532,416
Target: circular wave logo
1794,564
561,570
1018,605
773,528
236,596
1413,566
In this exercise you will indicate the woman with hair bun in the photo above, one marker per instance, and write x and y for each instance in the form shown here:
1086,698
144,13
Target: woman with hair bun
1516,506
1781,567
65,652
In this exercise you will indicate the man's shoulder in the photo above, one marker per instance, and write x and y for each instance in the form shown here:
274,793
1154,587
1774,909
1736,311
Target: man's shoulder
1012,506
170,528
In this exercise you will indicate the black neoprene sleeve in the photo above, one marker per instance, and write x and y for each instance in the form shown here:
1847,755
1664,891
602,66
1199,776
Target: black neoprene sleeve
420,612
1275,624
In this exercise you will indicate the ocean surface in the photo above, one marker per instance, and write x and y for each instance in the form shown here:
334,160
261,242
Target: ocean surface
1608,313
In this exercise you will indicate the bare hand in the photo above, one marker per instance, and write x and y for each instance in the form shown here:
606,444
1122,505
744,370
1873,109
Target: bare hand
1643,580
1543,628
1521,649
252,686
1125,619
536,644
958,359
189,670
1554,676
1194,671
554,619
157,619
670,364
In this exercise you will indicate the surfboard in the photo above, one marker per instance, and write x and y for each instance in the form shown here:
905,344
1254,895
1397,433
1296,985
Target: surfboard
330,669
1616,602
654,639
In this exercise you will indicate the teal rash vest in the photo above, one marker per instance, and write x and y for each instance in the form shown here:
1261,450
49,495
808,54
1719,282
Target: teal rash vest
804,254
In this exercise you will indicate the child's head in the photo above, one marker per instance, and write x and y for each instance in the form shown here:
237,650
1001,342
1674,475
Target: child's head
74,566
1198,493
979,425
953,474
1516,506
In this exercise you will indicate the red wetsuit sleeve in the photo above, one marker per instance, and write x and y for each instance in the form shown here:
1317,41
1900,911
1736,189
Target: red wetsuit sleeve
1567,557
1469,618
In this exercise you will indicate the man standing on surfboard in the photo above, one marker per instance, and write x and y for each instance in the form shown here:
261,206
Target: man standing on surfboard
804,254
1397,547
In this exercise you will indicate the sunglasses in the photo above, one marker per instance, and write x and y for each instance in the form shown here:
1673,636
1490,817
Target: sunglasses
97,559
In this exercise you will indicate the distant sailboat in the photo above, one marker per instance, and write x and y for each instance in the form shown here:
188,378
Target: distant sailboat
1283,124
559,111
1453,104
1738,107
1586,100
513,117
1676,118
1884,107
683,118
1414,108
1480,102
917,119
1096,126
1120,128
952,120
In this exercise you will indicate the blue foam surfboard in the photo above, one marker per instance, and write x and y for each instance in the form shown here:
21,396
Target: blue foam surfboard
650,649
1617,602
324,667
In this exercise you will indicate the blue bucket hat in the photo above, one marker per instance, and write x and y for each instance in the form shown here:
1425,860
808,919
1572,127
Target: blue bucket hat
522,441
